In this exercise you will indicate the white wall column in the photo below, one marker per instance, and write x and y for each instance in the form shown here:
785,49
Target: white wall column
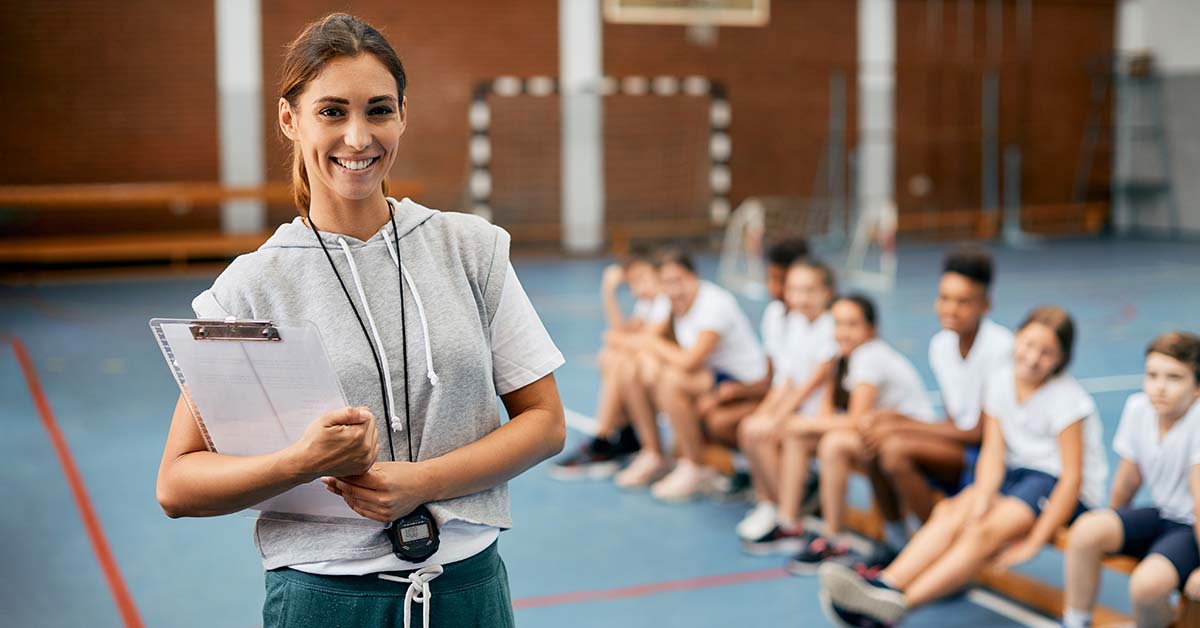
876,102
580,54
239,98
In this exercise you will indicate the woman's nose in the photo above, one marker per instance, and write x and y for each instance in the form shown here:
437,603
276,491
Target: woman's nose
357,136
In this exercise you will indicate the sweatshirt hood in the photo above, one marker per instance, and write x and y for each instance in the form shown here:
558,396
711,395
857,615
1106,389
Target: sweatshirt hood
296,234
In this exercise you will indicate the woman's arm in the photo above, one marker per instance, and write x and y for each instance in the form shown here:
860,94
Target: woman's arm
990,468
1126,483
195,482
535,432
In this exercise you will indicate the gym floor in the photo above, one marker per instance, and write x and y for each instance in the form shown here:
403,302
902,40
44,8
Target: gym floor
79,361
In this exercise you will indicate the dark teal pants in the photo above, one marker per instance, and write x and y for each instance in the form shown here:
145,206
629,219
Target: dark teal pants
469,593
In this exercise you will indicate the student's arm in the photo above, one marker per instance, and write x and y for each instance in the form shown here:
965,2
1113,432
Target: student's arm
736,391
535,432
1063,501
797,394
687,359
1126,483
1192,587
989,469
609,282
195,482
945,428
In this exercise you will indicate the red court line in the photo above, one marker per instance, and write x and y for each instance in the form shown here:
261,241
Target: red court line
91,522
641,590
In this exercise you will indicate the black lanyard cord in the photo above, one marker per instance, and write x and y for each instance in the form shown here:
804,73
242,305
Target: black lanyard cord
375,354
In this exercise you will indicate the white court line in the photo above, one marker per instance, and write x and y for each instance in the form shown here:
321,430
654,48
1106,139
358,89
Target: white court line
996,604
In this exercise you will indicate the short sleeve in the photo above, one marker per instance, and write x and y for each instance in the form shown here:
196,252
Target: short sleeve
993,393
1124,442
522,351
1195,448
865,367
710,314
1069,405
826,347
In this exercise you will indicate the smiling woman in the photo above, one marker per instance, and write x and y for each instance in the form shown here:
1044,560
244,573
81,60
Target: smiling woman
424,453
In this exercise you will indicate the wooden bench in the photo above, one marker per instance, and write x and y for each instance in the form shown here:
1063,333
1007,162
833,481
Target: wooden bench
1033,593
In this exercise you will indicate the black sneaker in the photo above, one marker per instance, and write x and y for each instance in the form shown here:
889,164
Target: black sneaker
869,566
818,550
811,506
627,441
597,459
733,488
778,542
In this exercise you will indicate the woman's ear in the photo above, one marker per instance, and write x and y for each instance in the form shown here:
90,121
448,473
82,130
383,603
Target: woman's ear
287,119
403,115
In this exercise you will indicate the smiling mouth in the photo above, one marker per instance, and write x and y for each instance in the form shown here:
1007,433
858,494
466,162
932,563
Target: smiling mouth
354,165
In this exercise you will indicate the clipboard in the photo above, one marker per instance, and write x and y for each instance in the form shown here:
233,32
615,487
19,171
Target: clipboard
253,387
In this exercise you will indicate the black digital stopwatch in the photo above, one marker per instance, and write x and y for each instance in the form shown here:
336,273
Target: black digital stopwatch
414,537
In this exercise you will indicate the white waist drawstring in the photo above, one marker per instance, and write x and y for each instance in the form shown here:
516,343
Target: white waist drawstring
393,420
412,287
418,591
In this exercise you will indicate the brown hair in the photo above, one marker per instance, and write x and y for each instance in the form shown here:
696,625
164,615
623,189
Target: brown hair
841,396
335,35
1181,346
1063,325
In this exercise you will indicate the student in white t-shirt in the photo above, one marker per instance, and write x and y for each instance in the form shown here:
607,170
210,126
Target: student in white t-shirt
917,456
602,455
802,355
714,343
1158,441
727,405
1041,465
869,376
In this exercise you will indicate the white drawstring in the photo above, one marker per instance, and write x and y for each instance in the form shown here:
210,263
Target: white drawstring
418,591
412,287
394,420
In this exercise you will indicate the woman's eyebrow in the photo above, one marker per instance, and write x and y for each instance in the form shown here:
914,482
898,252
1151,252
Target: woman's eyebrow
342,101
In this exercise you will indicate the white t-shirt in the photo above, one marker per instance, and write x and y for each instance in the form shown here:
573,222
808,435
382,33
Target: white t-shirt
773,330
738,353
809,345
652,311
522,353
1166,463
961,380
876,363
1031,429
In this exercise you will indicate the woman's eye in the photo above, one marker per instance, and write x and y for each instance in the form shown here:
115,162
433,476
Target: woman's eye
381,111
330,112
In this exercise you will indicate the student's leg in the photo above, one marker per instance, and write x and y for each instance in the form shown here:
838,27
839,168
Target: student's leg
1094,535
635,397
978,543
759,442
838,453
675,393
908,460
615,369
796,457
945,524
721,424
1150,589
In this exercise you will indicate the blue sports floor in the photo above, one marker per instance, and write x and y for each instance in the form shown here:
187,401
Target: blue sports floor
580,554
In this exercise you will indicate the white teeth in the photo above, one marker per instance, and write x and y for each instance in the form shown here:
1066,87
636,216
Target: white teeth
354,165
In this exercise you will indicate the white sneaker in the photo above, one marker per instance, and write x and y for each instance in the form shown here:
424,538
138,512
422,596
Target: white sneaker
757,522
645,468
684,483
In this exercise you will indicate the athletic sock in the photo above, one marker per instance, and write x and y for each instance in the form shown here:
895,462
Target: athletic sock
895,535
1075,618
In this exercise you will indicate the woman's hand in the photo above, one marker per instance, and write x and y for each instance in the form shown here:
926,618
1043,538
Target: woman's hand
386,492
1017,553
1192,588
341,442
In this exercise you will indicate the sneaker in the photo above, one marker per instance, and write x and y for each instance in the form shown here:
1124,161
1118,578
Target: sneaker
846,618
645,468
811,506
733,488
596,459
686,482
758,522
778,542
872,598
872,564
818,550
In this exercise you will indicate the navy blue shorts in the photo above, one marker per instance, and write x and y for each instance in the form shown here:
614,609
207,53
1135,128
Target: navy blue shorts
965,479
1146,532
720,377
1034,488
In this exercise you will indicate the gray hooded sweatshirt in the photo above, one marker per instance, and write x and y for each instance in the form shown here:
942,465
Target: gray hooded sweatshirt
455,266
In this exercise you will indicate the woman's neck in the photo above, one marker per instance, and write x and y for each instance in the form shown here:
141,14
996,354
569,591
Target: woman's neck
360,219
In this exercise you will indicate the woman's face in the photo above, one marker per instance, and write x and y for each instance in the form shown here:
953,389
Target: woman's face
805,291
1036,354
680,285
850,327
1170,384
347,123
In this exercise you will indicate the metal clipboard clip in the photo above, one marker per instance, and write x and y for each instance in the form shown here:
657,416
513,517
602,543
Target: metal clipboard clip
233,329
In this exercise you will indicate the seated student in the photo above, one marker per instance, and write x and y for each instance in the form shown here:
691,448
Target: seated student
724,408
1042,464
802,356
715,344
870,376
1159,443
615,440
918,456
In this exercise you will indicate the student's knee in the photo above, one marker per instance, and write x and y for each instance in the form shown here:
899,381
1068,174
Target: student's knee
895,457
837,445
1152,582
1095,532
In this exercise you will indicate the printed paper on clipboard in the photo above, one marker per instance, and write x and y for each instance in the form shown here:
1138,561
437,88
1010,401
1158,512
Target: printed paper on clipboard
253,387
